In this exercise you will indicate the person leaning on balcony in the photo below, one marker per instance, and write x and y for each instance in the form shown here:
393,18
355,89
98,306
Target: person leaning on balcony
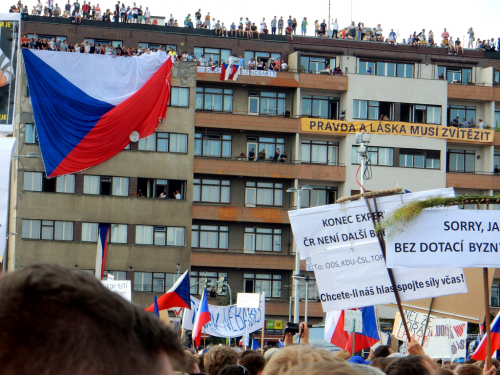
472,124
262,155
251,155
283,157
276,155
481,124
456,122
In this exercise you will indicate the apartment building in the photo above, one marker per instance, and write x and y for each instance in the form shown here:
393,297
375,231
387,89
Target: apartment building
232,219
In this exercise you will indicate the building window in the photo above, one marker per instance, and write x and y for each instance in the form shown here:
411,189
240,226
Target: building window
461,161
313,293
212,278
495,295
262,239
217,55
455,75
263,56
159,236
263,283
155,46
179,97
263,194
462,112
319,196
315,64
120,186
376,156
102,185
217,100
210,237
268,144
89,232
215,191
164,142
388,69
157,282
266,103
118,275
496,162
320,152
31,229
366,110
65,184
104,42
420,113
33,181
118,233
213,145
143,281
153,188
31,135
414,158
320,106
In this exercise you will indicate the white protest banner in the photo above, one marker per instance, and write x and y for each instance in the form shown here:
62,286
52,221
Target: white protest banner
448,339
228,321
416,325
121,287
353,319
248,300
6,152
330,226
444,238
351,277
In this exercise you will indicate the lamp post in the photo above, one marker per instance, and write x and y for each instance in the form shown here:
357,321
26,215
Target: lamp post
306,279
296,309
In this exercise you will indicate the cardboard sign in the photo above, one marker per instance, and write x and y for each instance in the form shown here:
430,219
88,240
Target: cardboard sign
352,277
353,319
121,287
416,325
448,339
336,225
248,300
448,238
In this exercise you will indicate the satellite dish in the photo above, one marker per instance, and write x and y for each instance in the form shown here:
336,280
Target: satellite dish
134,136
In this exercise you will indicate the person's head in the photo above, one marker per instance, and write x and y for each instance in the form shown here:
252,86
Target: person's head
409,365
253,361
469,370
191,363
382,351
323,368
381,363
234,370
446,371
294,355
218,358
364,369
85,323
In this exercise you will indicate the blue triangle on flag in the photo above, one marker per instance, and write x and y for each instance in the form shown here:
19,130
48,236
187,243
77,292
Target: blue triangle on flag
157,310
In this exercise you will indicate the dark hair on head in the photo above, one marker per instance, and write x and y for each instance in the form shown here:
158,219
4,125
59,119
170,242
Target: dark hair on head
58,321
382,351
253,361
382,362
234,370
445,371
410,365
469,370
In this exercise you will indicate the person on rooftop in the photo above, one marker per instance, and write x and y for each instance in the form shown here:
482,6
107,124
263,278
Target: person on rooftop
303,26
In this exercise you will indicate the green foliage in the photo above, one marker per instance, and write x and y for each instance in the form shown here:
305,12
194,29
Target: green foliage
401,218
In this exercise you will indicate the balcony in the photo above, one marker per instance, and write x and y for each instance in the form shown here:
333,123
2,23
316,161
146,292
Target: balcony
247,122
473,92
269,169
323,82
282,79
239,213
240,259
473,181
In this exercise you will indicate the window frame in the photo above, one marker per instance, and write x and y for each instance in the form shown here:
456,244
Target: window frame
451,152
222,236
253,186
330,146
226,97
255,232
202,142
197,276
198,190
374,159
152,143
268,97
181,92
275,283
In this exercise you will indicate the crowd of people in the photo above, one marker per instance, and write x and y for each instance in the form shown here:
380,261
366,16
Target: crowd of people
249,29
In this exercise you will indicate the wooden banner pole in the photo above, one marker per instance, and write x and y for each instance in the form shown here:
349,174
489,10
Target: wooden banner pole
487,315
427,321
381,241
262,339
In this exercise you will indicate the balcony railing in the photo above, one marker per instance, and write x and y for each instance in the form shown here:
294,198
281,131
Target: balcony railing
242,251
244,157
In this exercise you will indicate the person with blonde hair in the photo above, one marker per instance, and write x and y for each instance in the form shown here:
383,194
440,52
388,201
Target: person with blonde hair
324,368
294,355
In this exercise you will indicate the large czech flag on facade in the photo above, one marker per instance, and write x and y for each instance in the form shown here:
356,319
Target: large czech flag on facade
86,106
335,334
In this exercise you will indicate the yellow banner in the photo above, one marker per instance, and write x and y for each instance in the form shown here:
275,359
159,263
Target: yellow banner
397,128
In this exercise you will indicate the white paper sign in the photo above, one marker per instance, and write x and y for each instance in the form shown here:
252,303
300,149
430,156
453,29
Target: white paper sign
353,319
444,238
121,287
356,277
330,226
448,339
419,325
6,152
248,300
228,321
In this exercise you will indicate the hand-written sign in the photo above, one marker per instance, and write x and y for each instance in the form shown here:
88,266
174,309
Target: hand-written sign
336,225
448,339
416,325
351,277
353,319
396,128
121,287
439,238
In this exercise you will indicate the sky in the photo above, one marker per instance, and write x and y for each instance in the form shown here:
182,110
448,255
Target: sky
403,15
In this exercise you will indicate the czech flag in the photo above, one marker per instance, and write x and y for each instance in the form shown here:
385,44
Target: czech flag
202,318
177,296
86,106
482,351
335,334
102,250
229,72
255,344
